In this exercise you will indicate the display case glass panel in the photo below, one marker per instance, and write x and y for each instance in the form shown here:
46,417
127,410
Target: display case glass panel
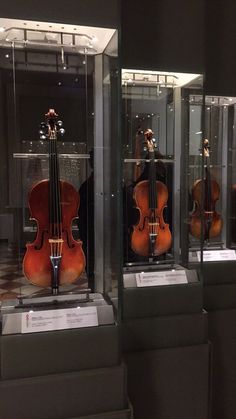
220,132
162,145
57,189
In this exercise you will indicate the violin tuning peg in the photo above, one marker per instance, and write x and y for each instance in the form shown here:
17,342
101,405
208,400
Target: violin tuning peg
42,137
59,123
62,131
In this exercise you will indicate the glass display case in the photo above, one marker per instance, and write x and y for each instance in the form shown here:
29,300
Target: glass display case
59,87
219,131
162,150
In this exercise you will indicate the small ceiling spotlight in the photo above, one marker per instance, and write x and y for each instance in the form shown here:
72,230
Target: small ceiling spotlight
2,29
7,56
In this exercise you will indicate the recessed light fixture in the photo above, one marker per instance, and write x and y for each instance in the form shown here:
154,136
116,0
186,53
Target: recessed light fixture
7,56
2,29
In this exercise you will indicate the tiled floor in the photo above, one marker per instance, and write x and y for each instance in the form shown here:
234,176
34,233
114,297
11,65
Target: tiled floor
12,281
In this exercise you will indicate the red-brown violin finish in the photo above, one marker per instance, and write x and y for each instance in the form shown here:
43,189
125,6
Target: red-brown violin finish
206,192
55,257
151,236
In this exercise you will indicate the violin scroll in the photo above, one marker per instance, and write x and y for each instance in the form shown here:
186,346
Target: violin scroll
51,124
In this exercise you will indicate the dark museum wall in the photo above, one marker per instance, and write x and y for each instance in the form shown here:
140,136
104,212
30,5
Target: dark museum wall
83,12
183,35
221,51
163,34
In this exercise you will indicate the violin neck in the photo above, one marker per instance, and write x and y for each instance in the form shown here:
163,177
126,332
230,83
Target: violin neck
54,188
152,181
207,204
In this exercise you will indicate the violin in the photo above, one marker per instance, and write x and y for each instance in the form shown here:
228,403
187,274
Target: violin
212,221
55,257
151,236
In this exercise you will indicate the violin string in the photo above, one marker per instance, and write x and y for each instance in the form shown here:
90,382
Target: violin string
153,193
55,187
56,195
51,185
53,195
58,200
57,203
54,191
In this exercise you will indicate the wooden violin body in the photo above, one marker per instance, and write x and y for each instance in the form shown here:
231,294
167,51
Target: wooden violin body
151,222
151,235
205,194
212,221
37,264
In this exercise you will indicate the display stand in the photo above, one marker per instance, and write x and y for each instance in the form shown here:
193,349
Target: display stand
165,343
56,374
219,300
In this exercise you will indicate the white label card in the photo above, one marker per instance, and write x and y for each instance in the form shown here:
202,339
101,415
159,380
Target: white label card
151,279
68,318
217,255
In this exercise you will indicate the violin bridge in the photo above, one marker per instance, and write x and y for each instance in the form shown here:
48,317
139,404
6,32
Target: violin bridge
56,246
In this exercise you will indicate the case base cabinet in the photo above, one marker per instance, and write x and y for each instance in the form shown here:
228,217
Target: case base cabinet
64,374
220,301
169,383
121,414
167,353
